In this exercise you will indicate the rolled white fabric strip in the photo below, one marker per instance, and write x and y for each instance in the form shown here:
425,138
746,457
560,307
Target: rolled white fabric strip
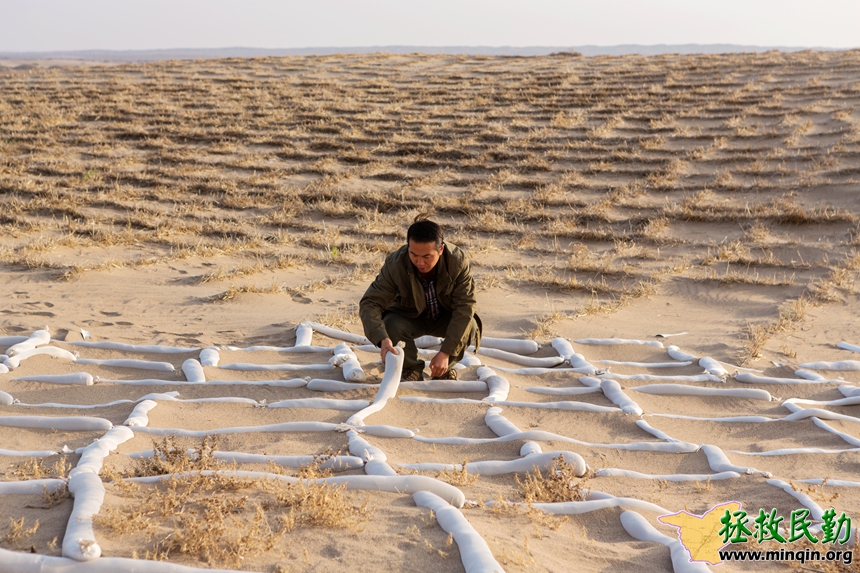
654,431
615,341
529,361
86,487
193,371
446,386
639,528
683,390
475,554
82,378
675,353
815,511
304,334
498,387
644,364
138,416
840,366
612,390
283,427
657,377
38,338
151,349
748,378
129,363
31,486
210,356
322,403
846,346
808,375
338,334
719,462
14,361
325,385
514,345
615,472
17,562
387,387
711,366
500,425
72,424
6,399
275,367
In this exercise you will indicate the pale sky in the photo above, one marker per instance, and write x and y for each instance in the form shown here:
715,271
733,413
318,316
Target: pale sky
50,25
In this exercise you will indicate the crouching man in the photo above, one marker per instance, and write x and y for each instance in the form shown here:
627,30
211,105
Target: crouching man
424,288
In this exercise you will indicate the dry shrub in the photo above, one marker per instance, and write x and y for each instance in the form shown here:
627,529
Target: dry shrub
458,477
558,483
35,468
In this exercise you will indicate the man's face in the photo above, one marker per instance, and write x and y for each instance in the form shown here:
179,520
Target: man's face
424,256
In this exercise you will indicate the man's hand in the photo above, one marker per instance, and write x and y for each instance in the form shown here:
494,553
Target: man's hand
385,347
439,364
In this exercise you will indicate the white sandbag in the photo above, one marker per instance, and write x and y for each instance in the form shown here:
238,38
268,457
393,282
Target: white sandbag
803,413
514,345
541,461
470,360
138,416
827,428
14,361
815,511
338,334
639,528
565,350
428,400
6,399
304,334
616,472
128,363
387,387
377,468
808,375
617,341
282,349
749,378
7,341
282,427
644,364
659,377
82,378
322,404
428,341
361,448
829,482
18,562
151,349
612,390
291,383
193,371
537,371
847,401
795,452
711,366
86,487
248,367
72,424
210,356
683,390
719,462
27,453
846,346
74,406
498,387
542,436
560,405
348,361
732,419
675,353
31,486
500,425
548,362
3,368
475,554
325,385
38,338
840,366
446,385
580,507
337,463
530,448
654,431
383,431
562,346
590,381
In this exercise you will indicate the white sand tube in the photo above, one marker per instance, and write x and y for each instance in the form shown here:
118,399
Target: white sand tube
498,387
548,362
428,400
14,362
612,390
71,424
615,472
193,371
851,440
283,427
830,482
514,345
748,378
815,511
304,334
81,378
541,436
428,341
733,419
530,448
847,401
676,353
74,406
3,368
562,346
658,377
808,375
282,349
840,366
387,387
138,416
643,364
27,453
590,381
7,341
683,390
846,346
337,463
38,338
500,425
713,367
210,356
580,507
325,385
86,487
348,362
361,448
248,367
338,334
542,461
654,431
849,391
129,363
6,399
560,405
794,452
150,349
719,462
291,383
475,554
378,430
640,528
470,360
799,413
537,371
446,386
17,562
322,404
617,341
31,486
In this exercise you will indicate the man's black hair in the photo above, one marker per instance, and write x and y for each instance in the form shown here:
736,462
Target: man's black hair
425,231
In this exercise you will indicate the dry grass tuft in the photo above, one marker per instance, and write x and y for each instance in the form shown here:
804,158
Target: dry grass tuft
458,477
559,483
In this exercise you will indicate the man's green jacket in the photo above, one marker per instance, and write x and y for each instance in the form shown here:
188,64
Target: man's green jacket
397,289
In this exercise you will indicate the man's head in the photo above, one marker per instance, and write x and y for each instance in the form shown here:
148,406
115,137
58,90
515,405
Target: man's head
425,242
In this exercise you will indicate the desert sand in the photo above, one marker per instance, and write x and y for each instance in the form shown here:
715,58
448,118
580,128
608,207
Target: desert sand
224,202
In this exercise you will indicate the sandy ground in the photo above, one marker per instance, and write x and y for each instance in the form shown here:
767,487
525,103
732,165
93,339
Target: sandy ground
223,202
